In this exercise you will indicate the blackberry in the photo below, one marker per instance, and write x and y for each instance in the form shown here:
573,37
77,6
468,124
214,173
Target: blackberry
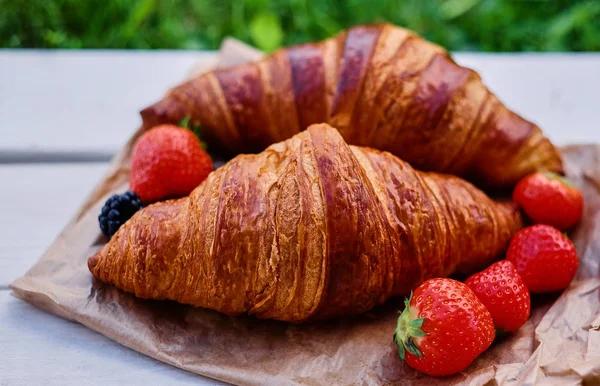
118,209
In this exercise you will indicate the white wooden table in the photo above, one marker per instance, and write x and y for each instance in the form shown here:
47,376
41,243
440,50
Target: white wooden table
64,113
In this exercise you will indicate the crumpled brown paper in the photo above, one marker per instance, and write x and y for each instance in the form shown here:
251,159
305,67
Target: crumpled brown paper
559,345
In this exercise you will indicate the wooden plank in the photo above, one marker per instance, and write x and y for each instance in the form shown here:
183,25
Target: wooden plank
36,202
42,349
82,101
88,101
556,91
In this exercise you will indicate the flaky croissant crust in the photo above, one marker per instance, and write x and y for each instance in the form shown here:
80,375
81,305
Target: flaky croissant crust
311,228
381,86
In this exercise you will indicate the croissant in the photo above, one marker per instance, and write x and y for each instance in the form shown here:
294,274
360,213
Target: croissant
381,86
311,228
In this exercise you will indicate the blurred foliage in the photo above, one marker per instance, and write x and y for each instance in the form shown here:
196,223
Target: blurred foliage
483,25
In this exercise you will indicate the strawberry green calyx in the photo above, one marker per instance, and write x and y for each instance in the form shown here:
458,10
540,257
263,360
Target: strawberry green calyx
554,176
406,329
186,123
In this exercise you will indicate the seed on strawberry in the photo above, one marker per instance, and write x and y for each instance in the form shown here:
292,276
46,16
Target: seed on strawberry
443,328
548,198
544,257
502,291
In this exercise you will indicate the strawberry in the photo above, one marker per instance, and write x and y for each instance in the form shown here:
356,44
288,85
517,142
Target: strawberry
168,161
443,328
544,257
548,198
502,291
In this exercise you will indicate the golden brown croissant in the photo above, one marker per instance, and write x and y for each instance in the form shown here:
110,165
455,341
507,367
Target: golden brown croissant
382,87
311,228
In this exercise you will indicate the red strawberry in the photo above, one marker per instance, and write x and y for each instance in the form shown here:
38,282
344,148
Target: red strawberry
548,198
544,257
443,328
502,291
168,161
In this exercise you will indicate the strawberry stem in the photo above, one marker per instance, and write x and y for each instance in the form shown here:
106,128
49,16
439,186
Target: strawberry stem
186,124
406,329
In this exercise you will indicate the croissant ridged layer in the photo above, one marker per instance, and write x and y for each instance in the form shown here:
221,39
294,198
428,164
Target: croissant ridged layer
311,228
381,86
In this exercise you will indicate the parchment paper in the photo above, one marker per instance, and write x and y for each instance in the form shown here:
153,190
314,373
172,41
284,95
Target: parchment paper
559,345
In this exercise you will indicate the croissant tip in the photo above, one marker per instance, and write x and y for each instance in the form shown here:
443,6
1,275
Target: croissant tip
164,111
92,262
149,111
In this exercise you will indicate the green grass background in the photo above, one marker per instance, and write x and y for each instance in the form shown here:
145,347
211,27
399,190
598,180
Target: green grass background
473,25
